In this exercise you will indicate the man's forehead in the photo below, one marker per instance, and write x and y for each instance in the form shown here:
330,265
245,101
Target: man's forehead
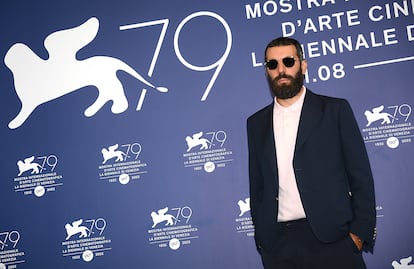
290,49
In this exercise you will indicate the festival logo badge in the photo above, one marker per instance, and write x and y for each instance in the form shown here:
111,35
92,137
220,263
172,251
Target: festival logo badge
86,239
10,254
99,71
404,263
122,163
207,151
172,227
37,175
380,213
388,125
244,223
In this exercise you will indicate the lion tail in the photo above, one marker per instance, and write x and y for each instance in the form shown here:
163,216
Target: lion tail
128,69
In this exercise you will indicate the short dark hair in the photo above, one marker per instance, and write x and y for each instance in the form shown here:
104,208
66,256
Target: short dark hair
286,41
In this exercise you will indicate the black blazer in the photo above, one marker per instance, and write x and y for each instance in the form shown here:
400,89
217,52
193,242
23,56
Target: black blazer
332,172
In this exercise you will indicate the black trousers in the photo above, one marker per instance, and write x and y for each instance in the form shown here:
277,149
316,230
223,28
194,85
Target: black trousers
298,248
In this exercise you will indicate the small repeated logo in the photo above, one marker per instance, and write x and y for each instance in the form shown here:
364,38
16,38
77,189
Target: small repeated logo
244,206
172,228
85,239
380,213
404,263
37,175
10,254
207,151
388,126
244,223
122,163
378,115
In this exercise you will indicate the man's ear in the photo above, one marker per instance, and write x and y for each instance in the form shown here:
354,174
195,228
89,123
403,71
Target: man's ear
304,65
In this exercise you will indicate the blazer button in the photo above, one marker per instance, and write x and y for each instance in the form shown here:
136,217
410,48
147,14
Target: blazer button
277,198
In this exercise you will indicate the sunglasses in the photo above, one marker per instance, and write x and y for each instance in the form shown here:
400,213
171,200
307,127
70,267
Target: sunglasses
287,61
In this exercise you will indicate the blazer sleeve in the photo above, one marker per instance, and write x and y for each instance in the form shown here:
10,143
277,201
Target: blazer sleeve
360,178
255,177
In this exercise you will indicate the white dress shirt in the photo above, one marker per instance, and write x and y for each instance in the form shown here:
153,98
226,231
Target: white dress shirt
285,124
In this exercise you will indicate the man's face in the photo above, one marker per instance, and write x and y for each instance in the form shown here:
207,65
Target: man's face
285,81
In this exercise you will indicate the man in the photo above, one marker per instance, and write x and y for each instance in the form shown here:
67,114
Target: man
311,187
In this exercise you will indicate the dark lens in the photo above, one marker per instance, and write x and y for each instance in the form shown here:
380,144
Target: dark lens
288,61
271,64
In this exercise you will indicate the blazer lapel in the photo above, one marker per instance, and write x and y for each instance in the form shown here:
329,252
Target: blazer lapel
310,116
268,143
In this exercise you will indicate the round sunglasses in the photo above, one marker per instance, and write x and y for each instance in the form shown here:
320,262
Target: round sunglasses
287,61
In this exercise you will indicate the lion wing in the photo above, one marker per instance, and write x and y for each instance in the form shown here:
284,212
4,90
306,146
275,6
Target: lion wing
377,109
76,223
162,211
113,147
29,159
66,43
197,136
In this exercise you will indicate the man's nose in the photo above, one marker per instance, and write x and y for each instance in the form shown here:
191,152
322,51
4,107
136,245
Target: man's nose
281,68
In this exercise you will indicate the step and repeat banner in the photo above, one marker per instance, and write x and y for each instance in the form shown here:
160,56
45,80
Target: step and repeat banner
123,124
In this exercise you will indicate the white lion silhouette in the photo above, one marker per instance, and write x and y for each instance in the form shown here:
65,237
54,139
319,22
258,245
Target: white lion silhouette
376,115
244,206
75,229
38,81
112,152
404,263
196,140
161,217
28,165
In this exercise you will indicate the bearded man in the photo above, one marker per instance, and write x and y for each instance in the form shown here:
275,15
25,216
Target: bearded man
311,187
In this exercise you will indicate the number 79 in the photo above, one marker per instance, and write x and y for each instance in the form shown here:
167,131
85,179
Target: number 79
218,65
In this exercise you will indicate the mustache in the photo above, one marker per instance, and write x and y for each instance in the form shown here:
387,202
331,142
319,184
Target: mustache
283,76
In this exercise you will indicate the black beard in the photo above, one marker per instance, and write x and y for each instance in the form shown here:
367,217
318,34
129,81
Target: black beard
287,91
